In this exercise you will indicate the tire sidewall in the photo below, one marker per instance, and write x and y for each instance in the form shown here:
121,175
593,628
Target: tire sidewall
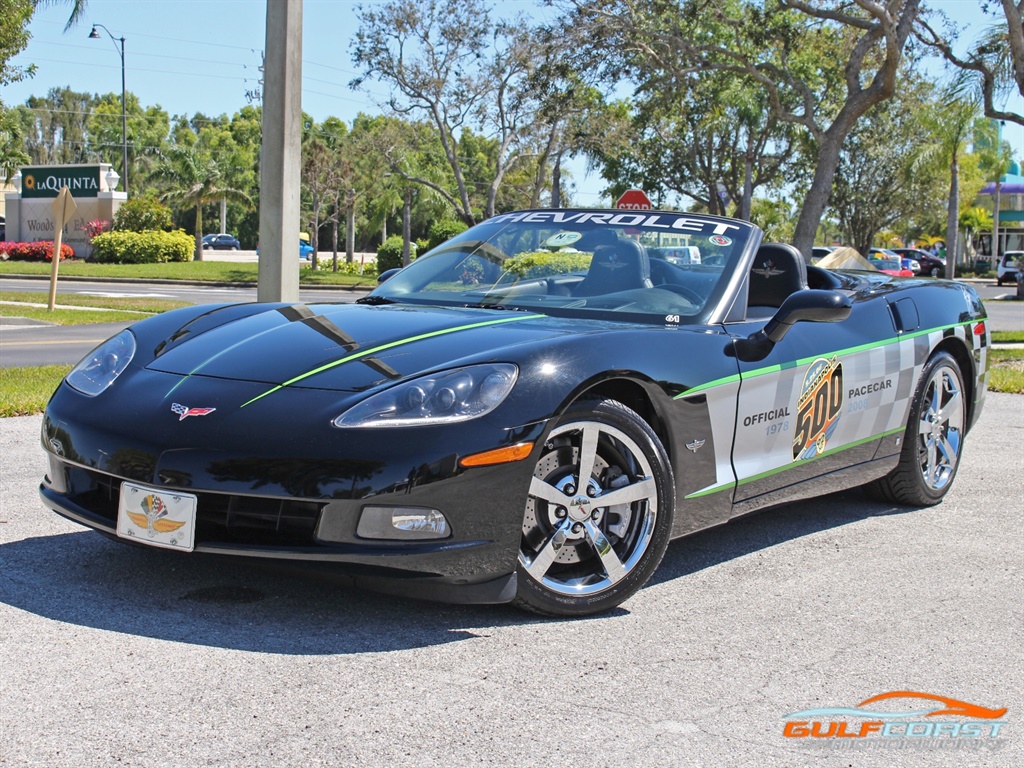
910,456
534,595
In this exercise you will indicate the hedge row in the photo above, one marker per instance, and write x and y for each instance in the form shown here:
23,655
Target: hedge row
41,250
148,247
545,263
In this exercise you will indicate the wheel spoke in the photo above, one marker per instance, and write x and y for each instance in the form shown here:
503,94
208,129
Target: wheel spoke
540,564
947,450
935,385
541,490
932,463
644,489
612,565
952,411
588,454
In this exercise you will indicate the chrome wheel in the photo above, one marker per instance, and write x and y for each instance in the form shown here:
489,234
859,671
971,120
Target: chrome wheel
595,524
941,428
933,438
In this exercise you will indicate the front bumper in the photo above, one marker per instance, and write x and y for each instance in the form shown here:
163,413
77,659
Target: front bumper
297,492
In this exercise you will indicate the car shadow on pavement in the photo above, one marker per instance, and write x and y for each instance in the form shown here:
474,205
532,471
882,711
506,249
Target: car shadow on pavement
84,579
768,527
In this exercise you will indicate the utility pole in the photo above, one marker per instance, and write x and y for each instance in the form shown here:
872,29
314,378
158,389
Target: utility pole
281,154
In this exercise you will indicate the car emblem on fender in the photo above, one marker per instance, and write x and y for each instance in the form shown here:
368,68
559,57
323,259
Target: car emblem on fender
769,270
184,411
696,445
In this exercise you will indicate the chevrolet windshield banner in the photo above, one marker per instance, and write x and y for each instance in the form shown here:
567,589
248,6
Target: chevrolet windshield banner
81,180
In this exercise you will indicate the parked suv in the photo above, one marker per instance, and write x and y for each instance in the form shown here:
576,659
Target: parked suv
1009,266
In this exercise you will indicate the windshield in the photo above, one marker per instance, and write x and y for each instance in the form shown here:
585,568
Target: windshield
636,266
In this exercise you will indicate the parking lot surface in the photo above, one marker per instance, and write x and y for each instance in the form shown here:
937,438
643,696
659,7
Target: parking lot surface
111,654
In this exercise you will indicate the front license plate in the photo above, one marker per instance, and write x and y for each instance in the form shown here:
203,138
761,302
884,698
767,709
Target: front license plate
157,517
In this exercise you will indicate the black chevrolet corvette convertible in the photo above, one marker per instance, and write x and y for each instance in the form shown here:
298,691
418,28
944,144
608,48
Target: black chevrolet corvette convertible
530,412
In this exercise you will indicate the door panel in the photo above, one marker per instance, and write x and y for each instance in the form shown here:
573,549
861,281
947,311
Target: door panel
820,401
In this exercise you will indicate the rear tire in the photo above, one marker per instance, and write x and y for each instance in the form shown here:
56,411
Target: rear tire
934,438
579,556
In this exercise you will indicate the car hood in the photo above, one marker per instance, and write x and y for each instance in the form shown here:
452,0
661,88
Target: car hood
346,347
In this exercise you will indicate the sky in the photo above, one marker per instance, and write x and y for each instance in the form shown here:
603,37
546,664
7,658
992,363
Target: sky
193,56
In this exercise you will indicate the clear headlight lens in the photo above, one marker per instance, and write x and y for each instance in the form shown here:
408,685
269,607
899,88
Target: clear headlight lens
103,365
443,398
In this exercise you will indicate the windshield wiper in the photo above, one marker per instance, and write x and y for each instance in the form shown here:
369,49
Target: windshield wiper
376,300
504,307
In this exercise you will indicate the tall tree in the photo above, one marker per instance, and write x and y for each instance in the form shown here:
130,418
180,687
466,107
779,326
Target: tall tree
711,140
994,66
55,126
447,61
879,182
821,64
195,179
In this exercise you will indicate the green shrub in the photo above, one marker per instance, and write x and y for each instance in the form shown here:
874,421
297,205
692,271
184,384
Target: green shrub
545,263
440,231
349,268
149,247
142,214
389,255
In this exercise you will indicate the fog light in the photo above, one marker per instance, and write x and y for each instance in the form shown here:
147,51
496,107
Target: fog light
402,523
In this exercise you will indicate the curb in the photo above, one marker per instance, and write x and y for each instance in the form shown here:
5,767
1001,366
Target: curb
190,283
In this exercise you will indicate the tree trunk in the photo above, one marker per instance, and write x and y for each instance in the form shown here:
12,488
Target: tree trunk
350,233
313,261
952,216
334,241
748,188
198,256
556,182
995,224
406,226
816,200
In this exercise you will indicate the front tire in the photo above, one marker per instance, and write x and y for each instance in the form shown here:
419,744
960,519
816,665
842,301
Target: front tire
933,440
589,544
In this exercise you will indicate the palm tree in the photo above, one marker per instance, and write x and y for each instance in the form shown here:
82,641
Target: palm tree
196,179
950,125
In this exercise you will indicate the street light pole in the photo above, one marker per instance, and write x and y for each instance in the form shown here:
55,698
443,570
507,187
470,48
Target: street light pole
124,116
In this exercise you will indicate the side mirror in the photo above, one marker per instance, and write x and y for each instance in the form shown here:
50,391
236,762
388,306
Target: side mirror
812,306
387,274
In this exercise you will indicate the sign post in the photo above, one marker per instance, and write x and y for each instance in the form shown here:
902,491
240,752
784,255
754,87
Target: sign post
63,207
634,200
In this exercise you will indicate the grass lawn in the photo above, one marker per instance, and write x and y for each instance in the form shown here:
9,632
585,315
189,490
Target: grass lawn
1008,337
107,310
24,391
201,271
1007,371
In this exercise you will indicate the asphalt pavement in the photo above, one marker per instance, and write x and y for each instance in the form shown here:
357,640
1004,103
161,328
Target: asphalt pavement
24,343
119,655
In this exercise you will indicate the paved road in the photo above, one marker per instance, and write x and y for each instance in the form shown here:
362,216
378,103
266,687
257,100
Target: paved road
115,655
43,345
24,344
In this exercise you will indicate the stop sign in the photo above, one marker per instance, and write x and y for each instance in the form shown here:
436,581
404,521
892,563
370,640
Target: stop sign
634,200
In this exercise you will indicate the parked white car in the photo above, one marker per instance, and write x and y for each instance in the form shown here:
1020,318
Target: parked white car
1009,266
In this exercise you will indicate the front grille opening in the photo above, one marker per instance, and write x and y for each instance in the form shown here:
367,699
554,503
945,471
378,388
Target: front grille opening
221,518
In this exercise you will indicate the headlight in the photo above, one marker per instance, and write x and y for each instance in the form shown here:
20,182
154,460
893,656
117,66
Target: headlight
444,398
103,365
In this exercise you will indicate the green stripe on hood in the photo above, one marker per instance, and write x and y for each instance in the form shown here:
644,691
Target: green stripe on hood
390,345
